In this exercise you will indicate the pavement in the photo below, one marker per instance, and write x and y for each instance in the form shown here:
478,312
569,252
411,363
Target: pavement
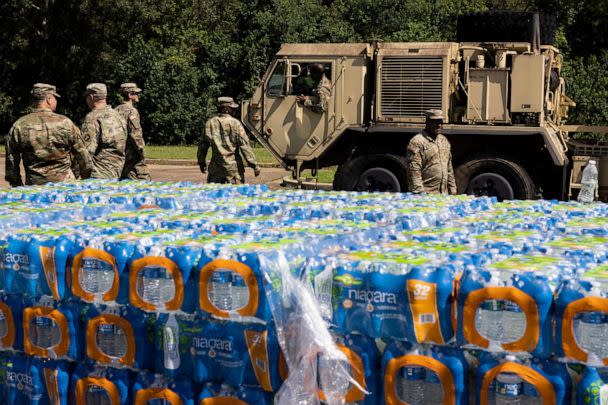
172,172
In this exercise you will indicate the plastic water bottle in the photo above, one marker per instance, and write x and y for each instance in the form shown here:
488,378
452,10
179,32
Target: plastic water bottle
531,396
592,328
97,395
3,326
514,321
411,385
171,343
96,276
489,320
46,332
155,285
433,390
508,389
588,183
221,289
111,340
492,392
240,292
226,391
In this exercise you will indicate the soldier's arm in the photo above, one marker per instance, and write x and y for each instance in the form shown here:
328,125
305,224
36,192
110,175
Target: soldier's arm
135,132
414,168
452,189
13,159
245,146
203,147
321,100
90,135
80,152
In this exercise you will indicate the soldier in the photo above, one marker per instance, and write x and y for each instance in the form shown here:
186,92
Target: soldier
46,141
105,134
228,140
430,159
135,163
321,91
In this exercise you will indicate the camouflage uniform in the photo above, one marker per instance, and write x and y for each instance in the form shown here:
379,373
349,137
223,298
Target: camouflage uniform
105,134
320,96
228,140
135,165
46,141
430,165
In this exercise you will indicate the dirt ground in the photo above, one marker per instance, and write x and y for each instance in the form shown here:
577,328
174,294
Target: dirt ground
271,176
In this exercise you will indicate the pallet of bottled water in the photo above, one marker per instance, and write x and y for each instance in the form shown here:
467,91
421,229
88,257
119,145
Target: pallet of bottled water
176,293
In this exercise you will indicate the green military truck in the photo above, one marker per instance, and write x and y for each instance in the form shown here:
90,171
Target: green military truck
503,97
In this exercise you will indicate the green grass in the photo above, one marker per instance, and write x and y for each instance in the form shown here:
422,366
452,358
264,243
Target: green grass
323,175
189,153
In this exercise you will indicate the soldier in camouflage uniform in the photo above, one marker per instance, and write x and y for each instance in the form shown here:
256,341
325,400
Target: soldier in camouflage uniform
46,141
429,159
105,134
227,139
321,92
135,164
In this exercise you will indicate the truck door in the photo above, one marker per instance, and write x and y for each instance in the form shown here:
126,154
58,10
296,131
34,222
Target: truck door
291,130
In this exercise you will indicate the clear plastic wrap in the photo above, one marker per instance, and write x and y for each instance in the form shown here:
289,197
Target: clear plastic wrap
313,359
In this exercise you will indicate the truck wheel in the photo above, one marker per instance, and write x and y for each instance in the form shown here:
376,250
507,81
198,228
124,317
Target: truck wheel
497,177
372,173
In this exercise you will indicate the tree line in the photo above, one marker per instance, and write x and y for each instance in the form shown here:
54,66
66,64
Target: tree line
185,53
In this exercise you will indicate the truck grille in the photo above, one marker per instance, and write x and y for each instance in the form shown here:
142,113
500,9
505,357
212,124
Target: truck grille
411,85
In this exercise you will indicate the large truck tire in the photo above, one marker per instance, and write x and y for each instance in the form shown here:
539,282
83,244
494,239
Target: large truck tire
504,26
495,176
381,172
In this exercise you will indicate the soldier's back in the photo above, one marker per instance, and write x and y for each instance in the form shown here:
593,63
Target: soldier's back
221,131
108,148
44,139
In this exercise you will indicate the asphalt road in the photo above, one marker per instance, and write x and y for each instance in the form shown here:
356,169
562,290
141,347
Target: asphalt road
271,176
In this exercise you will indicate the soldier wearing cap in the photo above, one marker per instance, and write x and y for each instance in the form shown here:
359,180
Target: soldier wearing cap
429,159
135,164
227,139
46,142
105,134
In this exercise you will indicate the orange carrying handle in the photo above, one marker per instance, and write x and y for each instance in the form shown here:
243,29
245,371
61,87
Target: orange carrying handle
531,376
93,351
587,304
168,264
528,342
8,341
241,269
443,372
106,385
143,396
77,289
62,348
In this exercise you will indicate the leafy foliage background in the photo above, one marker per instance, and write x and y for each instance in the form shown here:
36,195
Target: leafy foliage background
185,53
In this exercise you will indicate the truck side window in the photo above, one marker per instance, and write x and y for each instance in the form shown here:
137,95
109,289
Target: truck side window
276,84
303,84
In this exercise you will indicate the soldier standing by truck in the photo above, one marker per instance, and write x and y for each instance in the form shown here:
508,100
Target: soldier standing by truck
429,159
227,139
135,164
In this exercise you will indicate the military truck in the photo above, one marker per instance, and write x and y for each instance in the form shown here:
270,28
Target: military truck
503,98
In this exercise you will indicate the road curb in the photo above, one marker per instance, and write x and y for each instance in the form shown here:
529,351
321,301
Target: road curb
190,162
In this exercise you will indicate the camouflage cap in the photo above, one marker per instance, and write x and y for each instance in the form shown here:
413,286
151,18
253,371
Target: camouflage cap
98,89
130,88
227,101
42,89
434,115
